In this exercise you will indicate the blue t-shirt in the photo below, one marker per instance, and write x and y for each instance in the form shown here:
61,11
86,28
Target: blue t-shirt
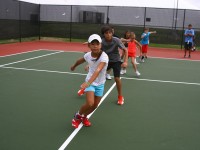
189,38
145,39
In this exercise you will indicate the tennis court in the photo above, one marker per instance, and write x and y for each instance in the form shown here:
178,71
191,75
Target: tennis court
39,98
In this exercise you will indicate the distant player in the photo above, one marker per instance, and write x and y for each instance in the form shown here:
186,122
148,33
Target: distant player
189,35
145,42
95,80
132,46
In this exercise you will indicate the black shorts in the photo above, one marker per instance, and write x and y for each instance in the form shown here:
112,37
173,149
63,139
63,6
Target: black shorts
188,45
116,66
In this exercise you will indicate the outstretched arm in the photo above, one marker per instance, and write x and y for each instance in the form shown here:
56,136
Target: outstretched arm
125,40
78,62
138,44
143,35
125,63
94,76
153,32
85,43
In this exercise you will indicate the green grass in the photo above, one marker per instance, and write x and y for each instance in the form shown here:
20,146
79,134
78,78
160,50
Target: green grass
165,46
169,46
28,39
9,41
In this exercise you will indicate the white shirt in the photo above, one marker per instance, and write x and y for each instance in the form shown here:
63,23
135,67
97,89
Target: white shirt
101,79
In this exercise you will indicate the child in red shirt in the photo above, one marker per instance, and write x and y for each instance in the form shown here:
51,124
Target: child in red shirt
132,46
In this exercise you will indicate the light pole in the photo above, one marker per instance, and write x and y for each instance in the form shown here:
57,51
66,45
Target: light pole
176,14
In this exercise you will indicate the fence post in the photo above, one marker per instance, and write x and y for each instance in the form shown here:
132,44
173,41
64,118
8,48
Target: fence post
176,15
70,27
39,22
183,29
145,11
20,36
107,18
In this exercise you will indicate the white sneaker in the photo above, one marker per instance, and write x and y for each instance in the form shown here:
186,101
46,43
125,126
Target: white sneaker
141,60
108,77
136,62
137,73
123,71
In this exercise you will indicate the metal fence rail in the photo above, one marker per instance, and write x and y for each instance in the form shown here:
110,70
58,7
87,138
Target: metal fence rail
21,20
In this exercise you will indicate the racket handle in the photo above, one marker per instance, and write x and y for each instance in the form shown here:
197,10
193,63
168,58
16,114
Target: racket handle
81,92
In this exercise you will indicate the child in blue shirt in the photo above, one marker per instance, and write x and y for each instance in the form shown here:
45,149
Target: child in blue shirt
145,42
189,35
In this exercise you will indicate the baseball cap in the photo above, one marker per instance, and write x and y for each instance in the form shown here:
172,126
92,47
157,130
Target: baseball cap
94,37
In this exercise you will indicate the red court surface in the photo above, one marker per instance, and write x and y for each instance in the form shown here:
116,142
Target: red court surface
8,49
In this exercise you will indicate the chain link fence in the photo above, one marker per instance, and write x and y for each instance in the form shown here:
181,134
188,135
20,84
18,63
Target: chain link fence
21,20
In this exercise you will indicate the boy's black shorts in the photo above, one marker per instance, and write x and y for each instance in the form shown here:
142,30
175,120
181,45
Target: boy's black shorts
116,66
188,46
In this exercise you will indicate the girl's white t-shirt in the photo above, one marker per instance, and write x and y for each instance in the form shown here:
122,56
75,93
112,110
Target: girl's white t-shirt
101,79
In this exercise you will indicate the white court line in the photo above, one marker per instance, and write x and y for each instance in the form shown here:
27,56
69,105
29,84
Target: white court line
48,71
162,81
173,58
62,72
28,52
39,50
33,51
73,134
70,138
21,53
30,59
84,52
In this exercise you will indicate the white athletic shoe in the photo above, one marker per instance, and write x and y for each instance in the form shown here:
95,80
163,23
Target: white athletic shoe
108,76
137,73
141,60
136,62
123,71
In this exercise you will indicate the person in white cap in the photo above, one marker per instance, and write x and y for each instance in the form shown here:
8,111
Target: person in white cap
94,83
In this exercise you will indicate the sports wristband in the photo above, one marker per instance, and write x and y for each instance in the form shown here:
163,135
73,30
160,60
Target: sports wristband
88,83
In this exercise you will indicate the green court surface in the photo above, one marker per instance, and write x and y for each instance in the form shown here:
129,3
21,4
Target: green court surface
38,98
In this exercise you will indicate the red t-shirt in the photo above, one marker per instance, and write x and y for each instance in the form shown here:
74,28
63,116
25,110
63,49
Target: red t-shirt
131,49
